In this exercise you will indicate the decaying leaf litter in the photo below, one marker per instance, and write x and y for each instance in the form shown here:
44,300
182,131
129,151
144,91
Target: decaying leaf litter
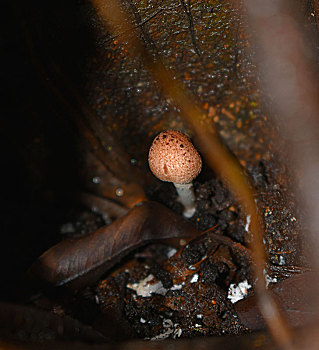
219,72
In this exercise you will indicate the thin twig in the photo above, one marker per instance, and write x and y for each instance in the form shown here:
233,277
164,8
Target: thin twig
140,23
145,35
191,28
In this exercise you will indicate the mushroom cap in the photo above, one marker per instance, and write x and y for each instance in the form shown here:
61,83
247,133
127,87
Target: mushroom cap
172,157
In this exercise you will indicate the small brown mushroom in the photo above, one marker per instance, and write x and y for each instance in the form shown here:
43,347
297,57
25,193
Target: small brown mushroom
172,157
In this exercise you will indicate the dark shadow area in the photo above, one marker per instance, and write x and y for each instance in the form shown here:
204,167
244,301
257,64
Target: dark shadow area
39,153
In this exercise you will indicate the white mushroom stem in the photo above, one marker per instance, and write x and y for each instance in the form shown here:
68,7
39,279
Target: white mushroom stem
173,158
187,198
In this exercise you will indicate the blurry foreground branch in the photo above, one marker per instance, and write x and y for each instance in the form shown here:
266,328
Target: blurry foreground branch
287,65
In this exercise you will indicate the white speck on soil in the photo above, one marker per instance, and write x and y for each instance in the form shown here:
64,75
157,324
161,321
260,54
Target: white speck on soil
171,252
238,292
148,286
247,223
194,278
169,330
177,286
282,260
269,279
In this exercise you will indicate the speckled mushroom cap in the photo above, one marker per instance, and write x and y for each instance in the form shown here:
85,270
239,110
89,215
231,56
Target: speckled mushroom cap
172,157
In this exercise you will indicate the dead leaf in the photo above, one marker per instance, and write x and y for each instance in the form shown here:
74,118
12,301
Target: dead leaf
78,262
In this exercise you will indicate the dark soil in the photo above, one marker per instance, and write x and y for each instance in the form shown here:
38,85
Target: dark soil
193,283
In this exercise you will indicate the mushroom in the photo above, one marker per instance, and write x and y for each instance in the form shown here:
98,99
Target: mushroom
172,157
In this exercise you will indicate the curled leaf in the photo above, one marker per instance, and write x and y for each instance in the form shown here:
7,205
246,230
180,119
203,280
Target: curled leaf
78,262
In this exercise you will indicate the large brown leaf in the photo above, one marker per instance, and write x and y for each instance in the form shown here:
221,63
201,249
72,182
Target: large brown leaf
81,261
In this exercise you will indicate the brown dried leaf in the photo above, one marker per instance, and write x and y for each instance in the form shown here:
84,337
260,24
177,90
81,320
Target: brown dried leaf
81,261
